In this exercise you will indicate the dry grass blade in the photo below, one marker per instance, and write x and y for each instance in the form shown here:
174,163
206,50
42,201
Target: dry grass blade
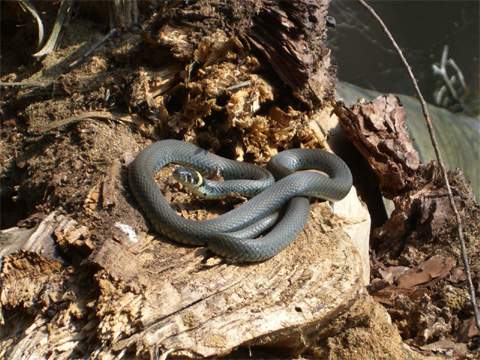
102,115
25,4
26,83
95,46
62,17
433,138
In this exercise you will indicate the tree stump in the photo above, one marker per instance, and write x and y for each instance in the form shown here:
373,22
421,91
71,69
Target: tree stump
157,296
195,308
242,78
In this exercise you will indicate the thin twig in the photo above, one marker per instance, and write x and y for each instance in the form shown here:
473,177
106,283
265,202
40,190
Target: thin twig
433,138
441,71
93,47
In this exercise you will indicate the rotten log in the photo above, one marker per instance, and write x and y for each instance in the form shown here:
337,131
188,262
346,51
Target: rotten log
120,290
154,295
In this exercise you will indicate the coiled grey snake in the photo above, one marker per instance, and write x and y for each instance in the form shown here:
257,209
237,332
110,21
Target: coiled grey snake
281,206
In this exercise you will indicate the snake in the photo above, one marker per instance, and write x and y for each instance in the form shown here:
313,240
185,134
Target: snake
259,228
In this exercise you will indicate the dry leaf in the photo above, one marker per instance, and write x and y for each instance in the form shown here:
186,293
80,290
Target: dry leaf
436,267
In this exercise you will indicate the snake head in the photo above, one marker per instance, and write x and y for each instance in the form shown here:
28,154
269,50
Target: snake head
189,178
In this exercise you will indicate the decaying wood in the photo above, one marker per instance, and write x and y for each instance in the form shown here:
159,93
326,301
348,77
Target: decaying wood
38,240
241,77
287,34
378,130
182,309
416,269
439,158
158,296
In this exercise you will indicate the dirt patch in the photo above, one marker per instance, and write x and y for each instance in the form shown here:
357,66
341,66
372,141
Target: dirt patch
368,333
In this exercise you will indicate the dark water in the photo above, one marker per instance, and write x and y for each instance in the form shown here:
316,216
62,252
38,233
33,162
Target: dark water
422,28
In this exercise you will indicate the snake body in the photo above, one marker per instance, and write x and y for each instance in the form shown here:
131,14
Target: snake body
233,234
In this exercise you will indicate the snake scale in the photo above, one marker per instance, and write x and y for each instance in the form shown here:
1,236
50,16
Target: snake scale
281,204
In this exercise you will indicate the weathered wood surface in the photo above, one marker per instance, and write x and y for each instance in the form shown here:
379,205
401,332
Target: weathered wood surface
38,239
156,296
193,307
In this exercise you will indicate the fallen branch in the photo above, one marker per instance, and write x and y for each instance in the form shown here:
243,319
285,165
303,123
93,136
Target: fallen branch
433,138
